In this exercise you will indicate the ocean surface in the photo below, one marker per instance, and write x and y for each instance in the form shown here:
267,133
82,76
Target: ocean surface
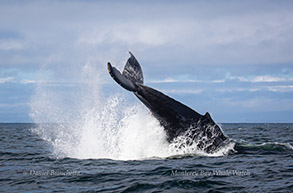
31,162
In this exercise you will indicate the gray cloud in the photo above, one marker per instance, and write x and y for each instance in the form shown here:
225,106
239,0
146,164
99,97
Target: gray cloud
185,33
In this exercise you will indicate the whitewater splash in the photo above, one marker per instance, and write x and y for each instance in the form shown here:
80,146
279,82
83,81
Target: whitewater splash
78,120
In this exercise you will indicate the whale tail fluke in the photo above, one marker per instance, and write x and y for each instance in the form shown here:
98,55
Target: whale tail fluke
131,75
132,70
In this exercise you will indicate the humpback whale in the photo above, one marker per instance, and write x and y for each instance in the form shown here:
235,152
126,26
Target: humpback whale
177,119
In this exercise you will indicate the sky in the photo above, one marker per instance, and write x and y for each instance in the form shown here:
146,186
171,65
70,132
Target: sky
231,58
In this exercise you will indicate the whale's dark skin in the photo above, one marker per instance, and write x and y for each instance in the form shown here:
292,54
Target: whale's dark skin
176,118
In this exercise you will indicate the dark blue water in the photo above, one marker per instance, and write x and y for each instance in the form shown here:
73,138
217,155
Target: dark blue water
264,163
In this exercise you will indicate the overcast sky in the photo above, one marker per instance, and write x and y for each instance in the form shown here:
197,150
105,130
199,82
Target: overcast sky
231,58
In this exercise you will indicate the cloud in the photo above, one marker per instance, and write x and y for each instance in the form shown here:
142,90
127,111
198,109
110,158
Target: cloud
255,79
7,79
238,89
264,78
186,35
28,81
184,80
169,80
5,105
182,91
14,80
285,88
129,34
10,44
261,104
269,78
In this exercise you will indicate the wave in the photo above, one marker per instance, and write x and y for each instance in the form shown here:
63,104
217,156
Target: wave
268,147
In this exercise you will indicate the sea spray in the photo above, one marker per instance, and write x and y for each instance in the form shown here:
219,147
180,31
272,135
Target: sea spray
80,118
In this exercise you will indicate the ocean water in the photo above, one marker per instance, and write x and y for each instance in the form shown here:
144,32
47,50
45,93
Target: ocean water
55,157
89,138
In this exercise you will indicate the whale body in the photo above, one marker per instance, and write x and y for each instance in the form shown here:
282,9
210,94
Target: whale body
177,119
